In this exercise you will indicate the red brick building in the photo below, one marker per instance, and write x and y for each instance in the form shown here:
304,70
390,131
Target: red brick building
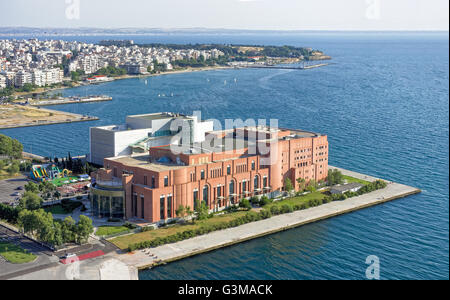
152,186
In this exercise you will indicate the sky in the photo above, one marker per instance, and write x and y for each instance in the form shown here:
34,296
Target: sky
229,14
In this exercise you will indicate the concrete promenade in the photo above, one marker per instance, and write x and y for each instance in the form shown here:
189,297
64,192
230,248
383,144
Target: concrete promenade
171,252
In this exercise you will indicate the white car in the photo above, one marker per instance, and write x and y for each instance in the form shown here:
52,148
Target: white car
69,255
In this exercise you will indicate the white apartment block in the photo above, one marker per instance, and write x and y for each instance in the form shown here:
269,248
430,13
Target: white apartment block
2,82
22,78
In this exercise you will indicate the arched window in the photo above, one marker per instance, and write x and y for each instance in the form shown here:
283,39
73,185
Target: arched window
229,170
232,192
205,194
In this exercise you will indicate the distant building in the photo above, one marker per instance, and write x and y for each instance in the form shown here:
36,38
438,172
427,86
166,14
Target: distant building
2,82
22,78
350,187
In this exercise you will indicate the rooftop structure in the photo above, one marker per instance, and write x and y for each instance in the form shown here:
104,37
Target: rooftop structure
224,168
140,133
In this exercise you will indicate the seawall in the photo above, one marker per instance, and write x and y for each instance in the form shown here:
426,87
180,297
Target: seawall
149,258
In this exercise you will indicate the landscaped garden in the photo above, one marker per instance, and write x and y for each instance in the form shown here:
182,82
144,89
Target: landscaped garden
308,197
15,254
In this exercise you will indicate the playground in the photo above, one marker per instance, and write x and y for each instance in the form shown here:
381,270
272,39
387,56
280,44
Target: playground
65,182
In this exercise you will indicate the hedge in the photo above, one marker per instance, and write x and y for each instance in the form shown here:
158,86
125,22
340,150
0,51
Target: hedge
252,217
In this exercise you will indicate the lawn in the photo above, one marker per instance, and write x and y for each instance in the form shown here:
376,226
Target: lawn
124,241
297,200
56,210
350,179
110,230
59,209
60,181
15,254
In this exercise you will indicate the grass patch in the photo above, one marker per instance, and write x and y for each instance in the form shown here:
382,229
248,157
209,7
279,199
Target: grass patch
110,230
350,179
124,241
60,181
56,210
298,200
15,254
67,207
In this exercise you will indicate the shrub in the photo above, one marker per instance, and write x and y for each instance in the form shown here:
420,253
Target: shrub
264,201
265,214
286,208
275,210
245,204
254,200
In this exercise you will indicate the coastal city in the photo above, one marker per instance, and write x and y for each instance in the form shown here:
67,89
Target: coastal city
246,141
46,63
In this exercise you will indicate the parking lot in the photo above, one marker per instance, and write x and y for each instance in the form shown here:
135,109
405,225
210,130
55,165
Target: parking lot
9,186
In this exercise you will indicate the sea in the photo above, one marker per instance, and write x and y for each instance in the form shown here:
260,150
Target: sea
384,105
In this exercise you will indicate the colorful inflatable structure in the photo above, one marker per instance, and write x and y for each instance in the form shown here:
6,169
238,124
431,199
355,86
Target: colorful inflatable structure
47,172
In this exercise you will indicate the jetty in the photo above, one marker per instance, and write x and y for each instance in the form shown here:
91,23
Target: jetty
69,100
153,257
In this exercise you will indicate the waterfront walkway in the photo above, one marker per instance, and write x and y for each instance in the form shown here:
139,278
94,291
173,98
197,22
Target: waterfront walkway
167,253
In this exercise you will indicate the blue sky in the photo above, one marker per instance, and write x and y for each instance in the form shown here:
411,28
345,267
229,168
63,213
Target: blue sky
230,14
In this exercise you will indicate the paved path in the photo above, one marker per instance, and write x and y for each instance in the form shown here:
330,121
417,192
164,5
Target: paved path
171,252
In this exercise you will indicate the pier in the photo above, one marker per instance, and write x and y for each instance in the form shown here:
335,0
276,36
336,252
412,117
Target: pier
281,67
69,100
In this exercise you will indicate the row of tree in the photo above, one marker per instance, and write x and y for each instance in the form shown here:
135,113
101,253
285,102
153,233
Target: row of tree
10,147
41,225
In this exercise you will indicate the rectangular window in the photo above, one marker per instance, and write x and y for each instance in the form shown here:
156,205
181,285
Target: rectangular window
166,181
145,180
265,182
153,182
134,206
253,166
169,206
142,207
203,174
162,207
115,172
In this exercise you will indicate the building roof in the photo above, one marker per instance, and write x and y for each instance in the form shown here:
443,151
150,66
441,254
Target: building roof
347,187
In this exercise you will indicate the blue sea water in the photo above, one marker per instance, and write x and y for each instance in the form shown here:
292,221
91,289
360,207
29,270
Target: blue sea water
384,105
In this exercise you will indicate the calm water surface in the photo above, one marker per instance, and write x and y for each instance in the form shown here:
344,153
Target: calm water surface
385,108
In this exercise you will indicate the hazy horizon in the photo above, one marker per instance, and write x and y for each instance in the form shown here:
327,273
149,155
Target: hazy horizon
261,15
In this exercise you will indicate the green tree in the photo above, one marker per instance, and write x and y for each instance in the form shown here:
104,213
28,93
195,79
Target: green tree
14,168
312,186
201,210
335,177
68,230
245,203
17,149
288,187
32,187
84,228
5,145
301,184
30,201
181,211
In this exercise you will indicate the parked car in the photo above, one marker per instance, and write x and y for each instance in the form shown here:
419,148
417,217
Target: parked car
19,188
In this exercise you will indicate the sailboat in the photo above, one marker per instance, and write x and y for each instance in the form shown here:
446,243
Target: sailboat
225,82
